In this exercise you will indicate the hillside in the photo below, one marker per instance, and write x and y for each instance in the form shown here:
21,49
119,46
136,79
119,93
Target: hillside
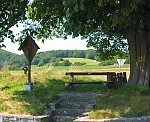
13,60
82,60
16,62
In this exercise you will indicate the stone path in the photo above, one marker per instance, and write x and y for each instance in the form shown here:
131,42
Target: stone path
72,105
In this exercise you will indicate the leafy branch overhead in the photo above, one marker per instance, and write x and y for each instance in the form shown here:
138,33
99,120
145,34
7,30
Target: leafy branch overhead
71,17
89,18
11,11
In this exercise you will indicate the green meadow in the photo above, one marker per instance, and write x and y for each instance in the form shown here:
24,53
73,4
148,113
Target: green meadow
49,80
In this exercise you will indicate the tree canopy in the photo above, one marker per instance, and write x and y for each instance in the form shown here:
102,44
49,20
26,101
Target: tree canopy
104,23
11,11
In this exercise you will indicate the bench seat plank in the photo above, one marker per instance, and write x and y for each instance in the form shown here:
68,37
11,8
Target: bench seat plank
90,73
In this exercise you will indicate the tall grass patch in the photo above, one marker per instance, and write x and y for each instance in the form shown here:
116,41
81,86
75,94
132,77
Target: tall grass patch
14,100
123,102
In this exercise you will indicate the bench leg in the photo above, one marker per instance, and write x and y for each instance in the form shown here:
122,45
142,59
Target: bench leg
72,78
108,77
124,77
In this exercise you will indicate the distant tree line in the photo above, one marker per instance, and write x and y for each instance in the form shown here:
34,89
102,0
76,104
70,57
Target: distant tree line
16,62
55,57
43,58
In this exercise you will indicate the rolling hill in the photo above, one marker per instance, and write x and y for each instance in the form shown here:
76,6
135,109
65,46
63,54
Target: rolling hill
82,60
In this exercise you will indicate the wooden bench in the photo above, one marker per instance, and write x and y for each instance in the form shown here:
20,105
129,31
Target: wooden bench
113,79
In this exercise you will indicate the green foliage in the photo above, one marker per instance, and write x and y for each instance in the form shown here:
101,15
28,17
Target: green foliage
104,23
107,46
62,63
43,58
13,60
88,62
108,62
11,12
79,63
5,67
17,62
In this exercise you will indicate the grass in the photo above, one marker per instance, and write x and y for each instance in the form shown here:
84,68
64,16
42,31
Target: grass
123,102
14,100
126,101
82,60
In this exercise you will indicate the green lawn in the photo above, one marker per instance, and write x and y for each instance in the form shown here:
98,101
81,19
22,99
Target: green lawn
82,60
126,101
49,80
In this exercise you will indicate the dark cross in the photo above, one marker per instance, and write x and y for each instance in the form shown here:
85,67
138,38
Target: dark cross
29,48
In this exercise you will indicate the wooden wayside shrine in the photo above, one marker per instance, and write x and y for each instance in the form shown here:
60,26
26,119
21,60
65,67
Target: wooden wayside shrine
29,48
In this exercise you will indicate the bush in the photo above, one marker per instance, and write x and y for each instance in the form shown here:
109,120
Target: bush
41,63
108,62
15,67
79,63
62,63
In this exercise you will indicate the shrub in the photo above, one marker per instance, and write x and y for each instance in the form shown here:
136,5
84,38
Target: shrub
79,63
62,63
108,62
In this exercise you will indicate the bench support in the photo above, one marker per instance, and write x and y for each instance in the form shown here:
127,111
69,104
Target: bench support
113,79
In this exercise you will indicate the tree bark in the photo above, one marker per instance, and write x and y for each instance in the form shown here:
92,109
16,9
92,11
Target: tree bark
139,49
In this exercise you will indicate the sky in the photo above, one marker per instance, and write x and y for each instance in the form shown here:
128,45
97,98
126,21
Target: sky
55,44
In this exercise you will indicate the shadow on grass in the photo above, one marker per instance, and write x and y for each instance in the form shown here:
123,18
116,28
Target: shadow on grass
37,100
44,92
98,88
126,101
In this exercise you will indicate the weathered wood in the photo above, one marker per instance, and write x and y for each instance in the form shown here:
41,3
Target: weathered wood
109,74
90,73
113,80
29,48
124,77
99,82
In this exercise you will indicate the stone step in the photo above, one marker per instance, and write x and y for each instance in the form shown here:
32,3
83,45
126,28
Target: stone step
84,99
77,97
69,106
75,94
69,112
63,119
76,105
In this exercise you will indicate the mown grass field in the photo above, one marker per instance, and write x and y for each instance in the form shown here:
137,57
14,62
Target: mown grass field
49,80
82,60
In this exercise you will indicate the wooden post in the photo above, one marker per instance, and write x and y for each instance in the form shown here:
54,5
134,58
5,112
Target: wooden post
114,78
29,72
72,77
120,79
124,77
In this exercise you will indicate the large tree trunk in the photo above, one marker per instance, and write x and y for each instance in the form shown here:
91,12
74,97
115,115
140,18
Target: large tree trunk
139,49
